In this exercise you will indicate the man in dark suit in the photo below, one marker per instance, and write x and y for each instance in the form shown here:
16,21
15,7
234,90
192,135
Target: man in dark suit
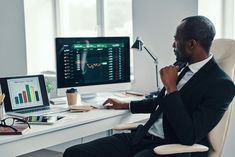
189,106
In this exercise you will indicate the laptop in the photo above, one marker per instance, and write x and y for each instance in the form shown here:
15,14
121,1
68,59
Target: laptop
26,96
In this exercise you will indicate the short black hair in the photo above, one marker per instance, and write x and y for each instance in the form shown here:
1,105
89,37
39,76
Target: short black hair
200,29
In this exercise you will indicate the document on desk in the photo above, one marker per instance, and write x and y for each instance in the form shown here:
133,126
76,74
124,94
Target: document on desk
99,100
96,103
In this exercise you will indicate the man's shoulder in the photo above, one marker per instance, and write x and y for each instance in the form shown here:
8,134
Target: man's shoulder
221,73
214,70
217,77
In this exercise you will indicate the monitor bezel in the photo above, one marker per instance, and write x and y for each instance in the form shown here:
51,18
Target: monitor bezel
95,88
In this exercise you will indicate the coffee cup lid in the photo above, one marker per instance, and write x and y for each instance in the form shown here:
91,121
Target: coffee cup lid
71,90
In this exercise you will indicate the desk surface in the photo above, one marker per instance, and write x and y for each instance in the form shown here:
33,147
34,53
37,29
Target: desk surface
70,120
73,126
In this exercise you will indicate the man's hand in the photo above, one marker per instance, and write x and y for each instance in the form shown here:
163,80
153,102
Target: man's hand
169,75
115,104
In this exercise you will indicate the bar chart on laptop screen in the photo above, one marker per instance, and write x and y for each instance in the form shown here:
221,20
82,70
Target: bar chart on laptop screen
25,92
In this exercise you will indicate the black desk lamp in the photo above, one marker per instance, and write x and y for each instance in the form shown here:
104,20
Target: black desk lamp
139,45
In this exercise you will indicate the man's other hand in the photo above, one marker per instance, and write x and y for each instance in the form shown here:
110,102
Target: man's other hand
169,75
115,104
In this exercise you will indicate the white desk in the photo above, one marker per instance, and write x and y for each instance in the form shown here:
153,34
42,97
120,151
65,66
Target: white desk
74,126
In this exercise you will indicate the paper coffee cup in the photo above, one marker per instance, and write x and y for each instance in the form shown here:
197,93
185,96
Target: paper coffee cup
71,96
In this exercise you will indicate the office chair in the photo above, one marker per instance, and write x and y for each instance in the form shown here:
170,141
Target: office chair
224,54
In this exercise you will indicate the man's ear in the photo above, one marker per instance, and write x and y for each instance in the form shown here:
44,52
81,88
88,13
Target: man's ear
192,43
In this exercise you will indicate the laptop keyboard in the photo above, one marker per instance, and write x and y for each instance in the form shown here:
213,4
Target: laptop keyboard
33,110
43,110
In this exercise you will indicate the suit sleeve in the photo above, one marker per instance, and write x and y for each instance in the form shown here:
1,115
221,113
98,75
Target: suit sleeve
191,128
143,106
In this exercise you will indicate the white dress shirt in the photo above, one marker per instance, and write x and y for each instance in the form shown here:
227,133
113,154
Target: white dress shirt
157,128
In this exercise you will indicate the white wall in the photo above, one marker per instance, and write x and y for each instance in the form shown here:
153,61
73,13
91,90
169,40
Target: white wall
155,21
12,38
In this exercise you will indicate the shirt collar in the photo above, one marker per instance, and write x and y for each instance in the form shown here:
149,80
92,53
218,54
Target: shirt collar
198,65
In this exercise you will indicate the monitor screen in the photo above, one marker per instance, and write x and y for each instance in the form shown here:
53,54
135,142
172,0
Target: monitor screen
92,61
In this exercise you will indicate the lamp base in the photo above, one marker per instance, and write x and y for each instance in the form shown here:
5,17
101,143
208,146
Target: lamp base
152,94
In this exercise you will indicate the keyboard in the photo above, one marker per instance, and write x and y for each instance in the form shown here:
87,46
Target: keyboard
43,110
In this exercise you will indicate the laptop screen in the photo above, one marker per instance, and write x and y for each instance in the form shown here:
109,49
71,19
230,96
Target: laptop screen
24,92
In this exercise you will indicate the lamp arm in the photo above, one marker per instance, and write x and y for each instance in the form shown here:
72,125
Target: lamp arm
156,66
157,81
154,58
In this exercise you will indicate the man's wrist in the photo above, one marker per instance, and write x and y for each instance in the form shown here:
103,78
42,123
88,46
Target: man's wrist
171,89
126,105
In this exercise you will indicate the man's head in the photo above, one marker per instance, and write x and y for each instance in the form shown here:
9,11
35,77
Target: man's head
193,38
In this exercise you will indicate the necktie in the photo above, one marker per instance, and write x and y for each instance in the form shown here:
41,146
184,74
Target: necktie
184,71
141,132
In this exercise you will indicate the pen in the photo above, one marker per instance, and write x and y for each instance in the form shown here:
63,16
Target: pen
134,93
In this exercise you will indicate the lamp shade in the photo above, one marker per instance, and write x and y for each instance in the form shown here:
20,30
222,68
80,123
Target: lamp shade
138,44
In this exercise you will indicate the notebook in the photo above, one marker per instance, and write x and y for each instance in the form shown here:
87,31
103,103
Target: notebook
21,129
26,96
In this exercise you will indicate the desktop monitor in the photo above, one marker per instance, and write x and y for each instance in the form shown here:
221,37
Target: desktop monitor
93,64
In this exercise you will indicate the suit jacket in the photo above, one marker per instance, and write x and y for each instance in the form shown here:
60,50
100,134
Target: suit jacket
191,113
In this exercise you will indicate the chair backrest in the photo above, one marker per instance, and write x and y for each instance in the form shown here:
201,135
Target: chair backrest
224,54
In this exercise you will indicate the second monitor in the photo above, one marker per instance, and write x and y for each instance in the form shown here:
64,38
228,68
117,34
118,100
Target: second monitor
93,64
